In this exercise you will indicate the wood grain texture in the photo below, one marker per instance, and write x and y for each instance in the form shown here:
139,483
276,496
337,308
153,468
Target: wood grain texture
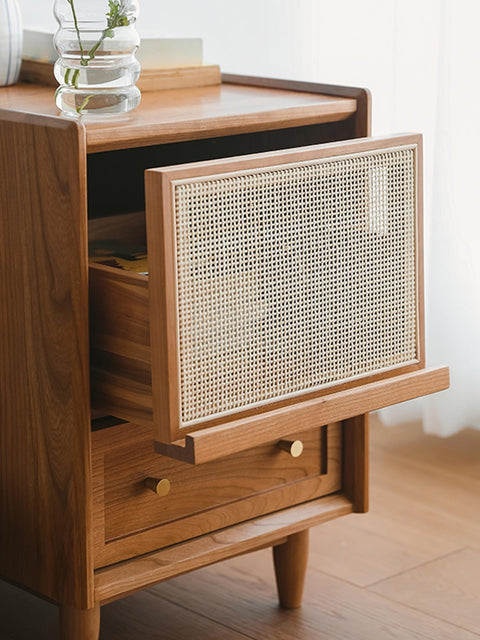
41,73
455,457
122,382
287,156
160,217
454,503
79,624
203,446
454,579
356,461
127,577
290,560
120,349
145,616
142,616
45,467
130,508
362,116
424,489
420,250
189,114
179,78
242,597
129,227
38,72
131,520
161,235
422,507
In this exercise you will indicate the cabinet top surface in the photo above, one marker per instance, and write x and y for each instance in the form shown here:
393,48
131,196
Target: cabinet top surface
186,114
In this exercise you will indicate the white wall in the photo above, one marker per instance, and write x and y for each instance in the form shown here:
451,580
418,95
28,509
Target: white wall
347,42
304,39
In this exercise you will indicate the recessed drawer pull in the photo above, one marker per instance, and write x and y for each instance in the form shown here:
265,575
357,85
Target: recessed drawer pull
293,447
160,487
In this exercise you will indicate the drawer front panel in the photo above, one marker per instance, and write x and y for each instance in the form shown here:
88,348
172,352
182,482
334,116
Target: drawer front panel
202,498
273,279
280,276
292,278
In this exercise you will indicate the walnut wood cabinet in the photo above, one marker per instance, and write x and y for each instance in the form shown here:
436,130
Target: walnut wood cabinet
130,452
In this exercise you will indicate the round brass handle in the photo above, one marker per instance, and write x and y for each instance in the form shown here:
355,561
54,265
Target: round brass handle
293,447
160,487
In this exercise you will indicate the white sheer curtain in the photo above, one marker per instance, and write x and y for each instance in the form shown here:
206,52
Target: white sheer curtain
420,58
447,93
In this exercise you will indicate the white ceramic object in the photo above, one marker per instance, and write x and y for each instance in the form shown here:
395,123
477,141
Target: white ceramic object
11,39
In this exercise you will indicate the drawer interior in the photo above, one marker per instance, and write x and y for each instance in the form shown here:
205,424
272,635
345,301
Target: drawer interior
270,277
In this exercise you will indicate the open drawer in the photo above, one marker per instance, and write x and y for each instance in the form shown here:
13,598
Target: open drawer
284,290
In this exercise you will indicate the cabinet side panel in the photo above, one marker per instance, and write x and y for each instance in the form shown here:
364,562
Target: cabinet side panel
356,462
45,466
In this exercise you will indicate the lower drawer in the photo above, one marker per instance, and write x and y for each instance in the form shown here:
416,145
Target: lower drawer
130,519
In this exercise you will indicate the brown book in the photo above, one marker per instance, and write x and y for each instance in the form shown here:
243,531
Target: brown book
38,72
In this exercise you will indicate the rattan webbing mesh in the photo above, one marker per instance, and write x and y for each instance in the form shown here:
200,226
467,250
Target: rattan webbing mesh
291,278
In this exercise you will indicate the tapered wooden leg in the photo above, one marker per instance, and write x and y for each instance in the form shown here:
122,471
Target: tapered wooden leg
290,559
79,624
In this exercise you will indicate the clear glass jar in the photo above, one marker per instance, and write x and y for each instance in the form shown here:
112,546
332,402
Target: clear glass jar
96,42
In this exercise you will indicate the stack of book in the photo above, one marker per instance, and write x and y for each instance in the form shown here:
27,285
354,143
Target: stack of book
167,63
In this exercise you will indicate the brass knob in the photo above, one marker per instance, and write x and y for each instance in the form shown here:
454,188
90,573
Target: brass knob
160,487
293,447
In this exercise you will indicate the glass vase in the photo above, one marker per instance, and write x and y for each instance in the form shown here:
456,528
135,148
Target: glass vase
96,42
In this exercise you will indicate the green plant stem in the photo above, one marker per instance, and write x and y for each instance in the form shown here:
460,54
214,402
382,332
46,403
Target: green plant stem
76,73
84,104
84,60
115,18
106,33
77,29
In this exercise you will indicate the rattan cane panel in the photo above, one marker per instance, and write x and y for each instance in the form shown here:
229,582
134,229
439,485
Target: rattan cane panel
293,278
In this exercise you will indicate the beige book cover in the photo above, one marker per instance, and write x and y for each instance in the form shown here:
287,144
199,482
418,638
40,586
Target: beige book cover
155,52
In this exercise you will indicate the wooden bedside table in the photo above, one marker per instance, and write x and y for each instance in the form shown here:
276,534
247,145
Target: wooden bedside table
163,434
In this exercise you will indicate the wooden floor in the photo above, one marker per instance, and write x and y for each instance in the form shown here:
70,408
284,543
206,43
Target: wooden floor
409,569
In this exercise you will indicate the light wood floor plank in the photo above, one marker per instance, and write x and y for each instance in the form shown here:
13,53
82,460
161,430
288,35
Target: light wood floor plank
25,617
142,616
363,555
419,512
457,455
240,593
448,588
451,498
